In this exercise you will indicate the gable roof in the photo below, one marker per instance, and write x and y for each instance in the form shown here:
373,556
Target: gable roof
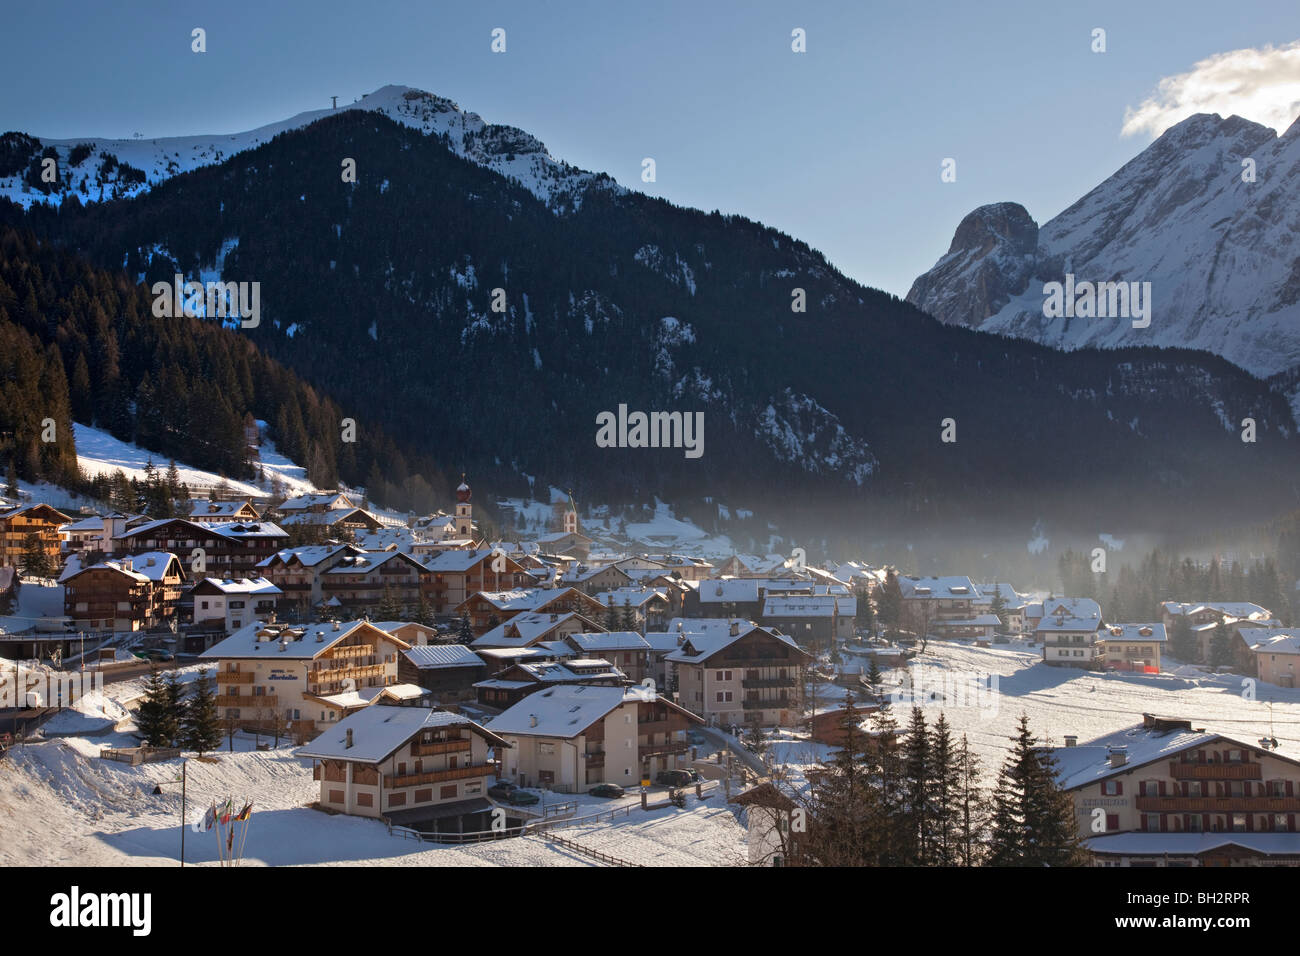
301,642
699,647
565,711
378,731
435,656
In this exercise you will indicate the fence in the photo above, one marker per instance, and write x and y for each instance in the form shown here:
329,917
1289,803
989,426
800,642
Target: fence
138,755
588,851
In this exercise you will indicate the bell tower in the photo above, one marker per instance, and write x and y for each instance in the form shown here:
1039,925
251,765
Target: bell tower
464,510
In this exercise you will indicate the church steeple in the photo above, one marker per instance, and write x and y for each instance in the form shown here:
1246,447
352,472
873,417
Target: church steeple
464,510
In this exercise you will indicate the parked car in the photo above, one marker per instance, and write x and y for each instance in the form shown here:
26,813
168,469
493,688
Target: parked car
522,798
606,790
501,790
674,778
158,654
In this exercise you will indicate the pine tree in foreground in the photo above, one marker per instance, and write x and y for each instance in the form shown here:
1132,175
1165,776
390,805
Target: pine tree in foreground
201,727
156,719
1033,820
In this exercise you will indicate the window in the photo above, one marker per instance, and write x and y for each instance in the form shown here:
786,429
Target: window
447,792
1239,823
1111,788
1151,822
1194,823
424,796
336,796
1112,822
397,799
365,799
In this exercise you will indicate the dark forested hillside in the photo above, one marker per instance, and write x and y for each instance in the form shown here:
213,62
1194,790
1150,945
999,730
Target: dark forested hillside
81,344
379,294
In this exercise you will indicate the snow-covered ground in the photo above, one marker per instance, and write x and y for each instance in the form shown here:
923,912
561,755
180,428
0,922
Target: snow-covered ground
1061,701
98,452
61,805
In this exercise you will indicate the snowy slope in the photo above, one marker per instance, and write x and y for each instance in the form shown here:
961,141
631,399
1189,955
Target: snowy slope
504,149
1222,255
98,452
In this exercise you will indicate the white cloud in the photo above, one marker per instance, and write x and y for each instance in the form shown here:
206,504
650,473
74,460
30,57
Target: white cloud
1259,84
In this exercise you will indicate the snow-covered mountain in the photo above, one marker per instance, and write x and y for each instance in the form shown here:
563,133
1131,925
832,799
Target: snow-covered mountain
1222,254
95,169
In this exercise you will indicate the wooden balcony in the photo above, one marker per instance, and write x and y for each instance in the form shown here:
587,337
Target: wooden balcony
436,747
596,758
760,682
1216,771
779,704
437,776
1218,804
249,701
352,651
661,750
234,677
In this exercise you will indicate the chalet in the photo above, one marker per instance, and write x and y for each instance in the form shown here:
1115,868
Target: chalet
928,603
234,548
227,604
363,581
573,737
1273,654
19,523
457,575
524,630
410,766
1132,647
448,670
652,605
525,677
335,521
1196,614
813,620
573,544
686,568
94,534
266,673
738,597
214,512
1169,794
742,673
316,504
830,724
1070,632
487,609
410,632
771,837
626,650
298,573
132,594
340,706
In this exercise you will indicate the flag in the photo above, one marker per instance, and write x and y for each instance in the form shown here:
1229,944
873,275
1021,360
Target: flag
210,817
226,810
244,814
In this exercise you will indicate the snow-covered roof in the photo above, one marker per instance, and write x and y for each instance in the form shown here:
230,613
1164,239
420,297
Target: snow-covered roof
1142,843
457,561
947,587
564,711
307,555
824,605
380,730
301,641
331,500
433,656
249,586
1237,609
1090,762
1070,614
699,647
146,566
365,696
1133,633
367,562
609,641
1267,640
523,629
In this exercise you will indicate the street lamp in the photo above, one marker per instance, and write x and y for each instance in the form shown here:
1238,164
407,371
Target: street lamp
157,792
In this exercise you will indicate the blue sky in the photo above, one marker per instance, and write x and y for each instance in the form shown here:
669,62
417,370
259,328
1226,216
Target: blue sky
840,146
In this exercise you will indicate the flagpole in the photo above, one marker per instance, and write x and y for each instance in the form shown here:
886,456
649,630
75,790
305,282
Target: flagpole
184,766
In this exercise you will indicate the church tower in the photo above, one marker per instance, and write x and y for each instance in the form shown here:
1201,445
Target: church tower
464,510
569,520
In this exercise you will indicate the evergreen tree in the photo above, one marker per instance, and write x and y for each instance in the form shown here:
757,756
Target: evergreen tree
754,739
36,560
875,677
389,609
464,632
916,787
972,808
1033,820
201,726
998,607
156,718
11,491
945,786
1221,646
866,617
1182,641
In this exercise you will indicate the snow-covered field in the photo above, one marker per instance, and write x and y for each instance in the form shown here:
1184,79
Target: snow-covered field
1061,701
98,452
60,805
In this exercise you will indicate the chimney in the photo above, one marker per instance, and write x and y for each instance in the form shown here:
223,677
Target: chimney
284,645
336,625
1118,756
320,637
348,744
1071,740
735,628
